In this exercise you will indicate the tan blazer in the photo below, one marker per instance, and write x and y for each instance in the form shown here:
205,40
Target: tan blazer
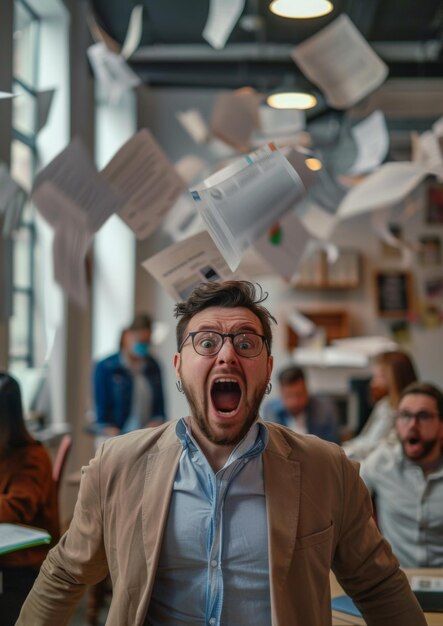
319,516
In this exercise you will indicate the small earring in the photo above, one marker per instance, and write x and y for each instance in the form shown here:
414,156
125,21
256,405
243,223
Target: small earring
268,388
179,385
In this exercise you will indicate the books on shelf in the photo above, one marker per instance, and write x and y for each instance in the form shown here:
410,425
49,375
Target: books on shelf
16,537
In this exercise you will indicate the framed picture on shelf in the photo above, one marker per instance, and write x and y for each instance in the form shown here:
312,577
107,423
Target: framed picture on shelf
434,205
393,293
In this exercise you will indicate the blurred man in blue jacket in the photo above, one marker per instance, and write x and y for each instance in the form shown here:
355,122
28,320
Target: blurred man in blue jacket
128,390
300,412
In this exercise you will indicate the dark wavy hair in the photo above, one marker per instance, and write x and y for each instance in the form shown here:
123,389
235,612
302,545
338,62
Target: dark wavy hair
228,294
13,432
425,389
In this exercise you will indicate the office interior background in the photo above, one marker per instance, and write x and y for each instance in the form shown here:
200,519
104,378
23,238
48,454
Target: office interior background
43,47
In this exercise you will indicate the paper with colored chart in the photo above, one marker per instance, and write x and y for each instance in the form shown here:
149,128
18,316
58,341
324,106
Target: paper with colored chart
239,203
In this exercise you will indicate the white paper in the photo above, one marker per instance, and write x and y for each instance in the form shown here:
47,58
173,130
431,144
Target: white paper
300,324
44,103
4,95
71,244
426,148
12,202
341,63
426,583
222,17
111,71
145,181
182,266
193,122
183,220
368,346
329,357
372,140
134,32
390,184
278,125
72,176
318,222
189,168
242,201
235,116
283,245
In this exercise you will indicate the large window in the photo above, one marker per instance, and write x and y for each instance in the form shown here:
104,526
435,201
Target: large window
23,164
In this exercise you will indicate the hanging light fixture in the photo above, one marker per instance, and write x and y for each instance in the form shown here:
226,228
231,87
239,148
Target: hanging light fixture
286,99
291,95
301,9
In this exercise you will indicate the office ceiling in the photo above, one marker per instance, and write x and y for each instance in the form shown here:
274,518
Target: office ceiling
407,35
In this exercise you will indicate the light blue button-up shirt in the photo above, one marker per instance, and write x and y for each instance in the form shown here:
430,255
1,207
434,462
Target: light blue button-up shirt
213,567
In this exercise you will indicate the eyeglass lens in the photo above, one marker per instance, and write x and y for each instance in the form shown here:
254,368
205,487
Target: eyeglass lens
421,416
210,343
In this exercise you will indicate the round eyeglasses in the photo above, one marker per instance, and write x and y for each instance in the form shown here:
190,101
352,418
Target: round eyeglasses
210,342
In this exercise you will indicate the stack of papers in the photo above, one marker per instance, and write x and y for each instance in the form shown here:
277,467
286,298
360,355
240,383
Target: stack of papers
15,537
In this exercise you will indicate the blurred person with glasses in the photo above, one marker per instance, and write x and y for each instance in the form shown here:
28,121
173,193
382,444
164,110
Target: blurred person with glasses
406,479
218,518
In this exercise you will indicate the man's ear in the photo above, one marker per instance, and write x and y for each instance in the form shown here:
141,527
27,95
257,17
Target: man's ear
177,364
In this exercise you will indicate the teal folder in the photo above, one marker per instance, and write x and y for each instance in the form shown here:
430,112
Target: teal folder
16,537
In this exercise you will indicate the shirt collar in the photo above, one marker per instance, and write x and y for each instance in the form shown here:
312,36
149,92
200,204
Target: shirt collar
252,444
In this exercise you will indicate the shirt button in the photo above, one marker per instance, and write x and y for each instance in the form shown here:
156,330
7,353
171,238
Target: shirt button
212,621
214,564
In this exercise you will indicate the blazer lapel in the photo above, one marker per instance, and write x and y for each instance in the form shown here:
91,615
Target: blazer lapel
161,468
282,489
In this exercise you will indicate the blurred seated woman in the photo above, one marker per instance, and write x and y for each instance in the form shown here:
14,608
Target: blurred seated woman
392,372
27,496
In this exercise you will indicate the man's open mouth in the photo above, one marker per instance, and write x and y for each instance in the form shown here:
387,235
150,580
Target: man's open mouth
225,395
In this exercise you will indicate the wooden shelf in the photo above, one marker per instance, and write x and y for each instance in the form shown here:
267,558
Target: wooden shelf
335,322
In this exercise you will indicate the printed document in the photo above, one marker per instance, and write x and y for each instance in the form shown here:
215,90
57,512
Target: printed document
241,201
181,267
144,181
222,17
341,63
372,140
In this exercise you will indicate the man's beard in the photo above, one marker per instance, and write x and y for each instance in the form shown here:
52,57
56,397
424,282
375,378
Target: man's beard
427,448
198,414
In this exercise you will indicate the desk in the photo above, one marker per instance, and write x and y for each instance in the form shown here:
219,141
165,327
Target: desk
340,619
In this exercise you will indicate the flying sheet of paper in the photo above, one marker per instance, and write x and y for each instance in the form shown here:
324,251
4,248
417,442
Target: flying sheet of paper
145,181
235,116
372,140
387,186
189,168
283,245
426,148
134,32
240,202
193,122
12,202
72,176
341,63
222,17
317,221
71,243
111,71
183,220
181,267
277,125
302,325
44,103
4,95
